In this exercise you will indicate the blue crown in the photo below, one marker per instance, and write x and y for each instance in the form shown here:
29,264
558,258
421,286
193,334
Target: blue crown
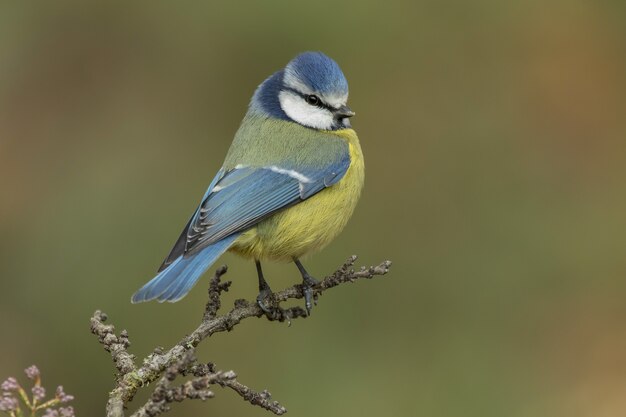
318,72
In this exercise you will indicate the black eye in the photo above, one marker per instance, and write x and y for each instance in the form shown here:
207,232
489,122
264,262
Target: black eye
312,99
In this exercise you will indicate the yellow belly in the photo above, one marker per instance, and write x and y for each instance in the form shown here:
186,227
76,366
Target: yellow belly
311,224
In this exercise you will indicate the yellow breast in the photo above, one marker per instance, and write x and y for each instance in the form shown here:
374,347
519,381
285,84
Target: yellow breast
311,224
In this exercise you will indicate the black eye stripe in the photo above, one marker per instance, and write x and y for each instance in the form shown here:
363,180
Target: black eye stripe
320,103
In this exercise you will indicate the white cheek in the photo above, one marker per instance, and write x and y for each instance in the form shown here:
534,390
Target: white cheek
298,110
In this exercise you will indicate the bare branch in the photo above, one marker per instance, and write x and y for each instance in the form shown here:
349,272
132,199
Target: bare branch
165,367
117,345
216,288
262,399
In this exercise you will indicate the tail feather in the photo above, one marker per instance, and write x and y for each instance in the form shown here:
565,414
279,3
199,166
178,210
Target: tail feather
175,281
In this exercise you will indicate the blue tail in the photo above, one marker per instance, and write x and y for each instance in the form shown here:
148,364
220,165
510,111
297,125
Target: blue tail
175,281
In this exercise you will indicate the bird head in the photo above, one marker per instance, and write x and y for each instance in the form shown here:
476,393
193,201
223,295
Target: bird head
311,91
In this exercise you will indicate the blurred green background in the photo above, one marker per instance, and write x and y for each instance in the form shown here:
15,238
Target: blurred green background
495,142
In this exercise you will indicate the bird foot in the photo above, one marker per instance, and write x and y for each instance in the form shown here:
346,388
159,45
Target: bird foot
307,290
267,302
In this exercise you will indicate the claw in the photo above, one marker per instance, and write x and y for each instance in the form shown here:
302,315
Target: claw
308,282
308,295
266,301
261,300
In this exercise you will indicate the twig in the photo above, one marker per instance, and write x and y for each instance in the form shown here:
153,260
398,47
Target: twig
179,360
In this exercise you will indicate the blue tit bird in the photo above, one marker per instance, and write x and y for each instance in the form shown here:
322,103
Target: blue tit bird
289,183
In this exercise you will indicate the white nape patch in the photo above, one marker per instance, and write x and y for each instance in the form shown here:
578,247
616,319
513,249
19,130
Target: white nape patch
290,172
300,111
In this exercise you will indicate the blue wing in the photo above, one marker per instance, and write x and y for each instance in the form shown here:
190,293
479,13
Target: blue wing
243,196
237,199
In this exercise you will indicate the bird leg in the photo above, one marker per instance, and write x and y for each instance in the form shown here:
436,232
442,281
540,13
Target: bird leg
265,292
308,282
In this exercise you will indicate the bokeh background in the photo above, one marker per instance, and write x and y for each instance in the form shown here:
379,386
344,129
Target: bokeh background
495,142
